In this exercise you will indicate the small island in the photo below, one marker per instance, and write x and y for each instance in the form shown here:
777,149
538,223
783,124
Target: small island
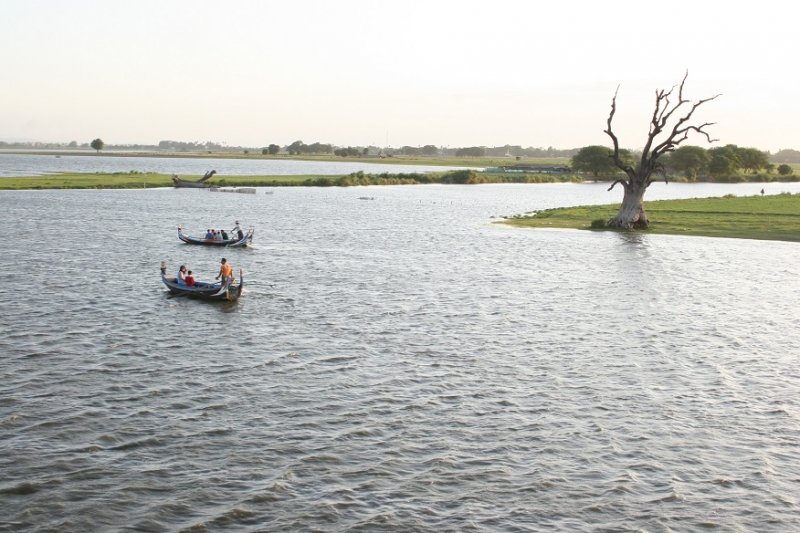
775,217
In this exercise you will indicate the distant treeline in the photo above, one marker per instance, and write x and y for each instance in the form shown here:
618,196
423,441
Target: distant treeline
784,156
729,163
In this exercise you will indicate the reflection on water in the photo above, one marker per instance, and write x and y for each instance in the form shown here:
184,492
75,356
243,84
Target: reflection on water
632,238
394,365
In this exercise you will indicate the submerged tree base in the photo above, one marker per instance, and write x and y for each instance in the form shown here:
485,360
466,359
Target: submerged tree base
775,218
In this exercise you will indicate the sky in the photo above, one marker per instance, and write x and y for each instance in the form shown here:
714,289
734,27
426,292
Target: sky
393,73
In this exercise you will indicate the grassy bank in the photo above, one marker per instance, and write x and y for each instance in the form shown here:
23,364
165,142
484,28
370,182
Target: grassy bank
136,180
143,180
132,180
751,217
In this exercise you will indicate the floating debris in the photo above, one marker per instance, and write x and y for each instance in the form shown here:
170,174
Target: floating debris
245,190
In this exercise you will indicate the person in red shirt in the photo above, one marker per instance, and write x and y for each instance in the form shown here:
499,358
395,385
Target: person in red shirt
189,279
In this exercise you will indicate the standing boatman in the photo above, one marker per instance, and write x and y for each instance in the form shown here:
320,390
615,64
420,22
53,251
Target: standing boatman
238,230
225,272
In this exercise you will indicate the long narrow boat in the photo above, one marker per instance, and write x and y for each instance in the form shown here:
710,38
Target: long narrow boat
199,184
226,291
236,242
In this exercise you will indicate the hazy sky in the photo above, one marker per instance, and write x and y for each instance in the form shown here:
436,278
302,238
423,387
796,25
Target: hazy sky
449,73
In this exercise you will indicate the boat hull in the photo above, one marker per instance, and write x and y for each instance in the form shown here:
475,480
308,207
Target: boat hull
245,241
199,184
190,184
223,292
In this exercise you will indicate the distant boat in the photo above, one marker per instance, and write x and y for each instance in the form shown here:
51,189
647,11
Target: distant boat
227,291
199,184
236,242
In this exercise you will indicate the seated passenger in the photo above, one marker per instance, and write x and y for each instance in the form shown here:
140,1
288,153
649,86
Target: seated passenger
181,277
189,279
224,234
217,235
209,235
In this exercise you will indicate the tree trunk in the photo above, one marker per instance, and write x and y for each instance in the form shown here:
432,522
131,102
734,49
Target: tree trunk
631,213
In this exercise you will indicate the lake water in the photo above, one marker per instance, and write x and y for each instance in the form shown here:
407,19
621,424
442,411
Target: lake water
35,165
398,364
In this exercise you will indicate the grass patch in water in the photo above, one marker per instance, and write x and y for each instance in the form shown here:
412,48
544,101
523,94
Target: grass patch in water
775,217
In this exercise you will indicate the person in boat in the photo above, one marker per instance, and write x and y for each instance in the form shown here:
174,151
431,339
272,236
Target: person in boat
224,234
209,235
217,235
225,272
180,279
189,279
237,230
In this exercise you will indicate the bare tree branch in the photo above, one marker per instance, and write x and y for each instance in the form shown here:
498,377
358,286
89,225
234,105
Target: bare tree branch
623,182
617,161
680,133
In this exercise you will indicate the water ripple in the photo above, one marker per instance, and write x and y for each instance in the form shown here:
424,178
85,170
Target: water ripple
396,365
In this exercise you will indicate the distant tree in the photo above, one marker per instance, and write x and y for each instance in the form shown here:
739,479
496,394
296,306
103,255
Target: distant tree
474,151
295,148
247,151
264,151
785,170
598,160
73,144
690,160
410,150
298,147
722,166
317,148
430,149
366,151
273,149
731,153
347,152
769,167
752,159
97,144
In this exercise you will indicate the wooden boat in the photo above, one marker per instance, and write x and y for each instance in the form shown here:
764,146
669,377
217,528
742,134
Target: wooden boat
199,184
227,291
236,242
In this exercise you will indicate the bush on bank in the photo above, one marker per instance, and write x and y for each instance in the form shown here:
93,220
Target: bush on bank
458,177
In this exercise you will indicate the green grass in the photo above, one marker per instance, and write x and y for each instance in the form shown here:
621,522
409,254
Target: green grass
120,180
136,180
752,217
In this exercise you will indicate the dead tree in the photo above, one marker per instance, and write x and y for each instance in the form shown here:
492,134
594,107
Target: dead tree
631,213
